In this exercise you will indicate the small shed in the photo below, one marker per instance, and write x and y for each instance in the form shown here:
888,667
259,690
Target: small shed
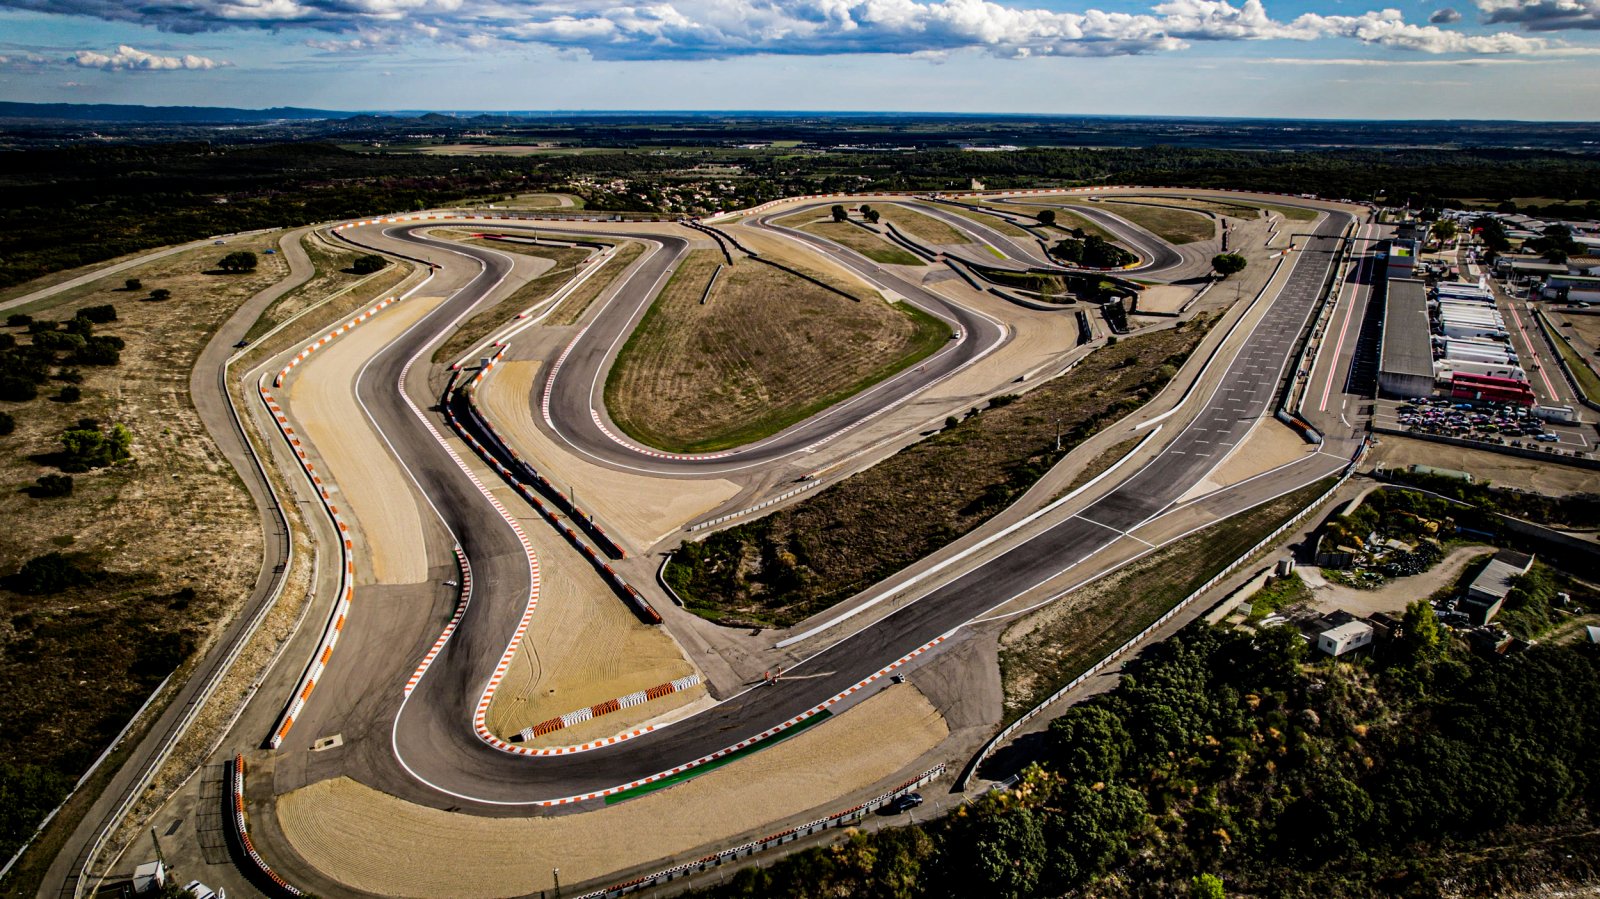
1487,592
1347,637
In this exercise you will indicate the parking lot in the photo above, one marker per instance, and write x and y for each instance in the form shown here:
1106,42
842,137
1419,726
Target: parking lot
1495,424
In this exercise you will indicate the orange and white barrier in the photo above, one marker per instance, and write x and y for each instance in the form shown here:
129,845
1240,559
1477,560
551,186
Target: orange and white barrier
449,629
597,710
330,336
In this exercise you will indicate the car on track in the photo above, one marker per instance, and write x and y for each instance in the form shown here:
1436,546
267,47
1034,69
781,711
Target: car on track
905,803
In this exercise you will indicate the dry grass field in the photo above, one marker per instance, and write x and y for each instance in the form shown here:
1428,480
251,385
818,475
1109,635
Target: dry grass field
851,236
998,224
783,568
1066,219
1175,226
332,262
923,227
165,546
764,351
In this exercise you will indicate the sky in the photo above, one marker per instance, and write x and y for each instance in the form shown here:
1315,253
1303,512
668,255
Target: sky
1421,59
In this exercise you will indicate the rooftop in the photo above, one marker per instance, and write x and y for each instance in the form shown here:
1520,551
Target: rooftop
1407,343
1496,577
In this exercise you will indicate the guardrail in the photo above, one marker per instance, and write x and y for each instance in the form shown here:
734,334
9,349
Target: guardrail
1134,641
838,819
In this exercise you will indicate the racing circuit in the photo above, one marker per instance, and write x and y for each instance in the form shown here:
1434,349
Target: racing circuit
427,500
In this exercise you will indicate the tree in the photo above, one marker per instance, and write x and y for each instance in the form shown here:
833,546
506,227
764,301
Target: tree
872,215
19,320
160,295
1206,886
100,315
1226,264
1444,230
70,394
132,284
238,261
366,265
839,213
1421,630
84,448
1047,217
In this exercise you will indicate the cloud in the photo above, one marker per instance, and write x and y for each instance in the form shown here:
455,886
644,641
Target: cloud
126,58
705,29
1543,15
1446,16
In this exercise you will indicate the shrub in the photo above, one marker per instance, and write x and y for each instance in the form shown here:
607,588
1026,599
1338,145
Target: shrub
160,295
70,394
100,314
84,448
7,423
52,485
47,575
366,265
19,320
132,284
17,390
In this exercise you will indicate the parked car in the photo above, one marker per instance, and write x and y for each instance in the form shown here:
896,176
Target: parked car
906,803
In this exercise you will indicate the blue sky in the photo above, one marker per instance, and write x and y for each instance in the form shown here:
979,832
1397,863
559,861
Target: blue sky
1528,59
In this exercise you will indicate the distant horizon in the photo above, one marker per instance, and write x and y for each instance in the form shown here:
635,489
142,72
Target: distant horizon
795,112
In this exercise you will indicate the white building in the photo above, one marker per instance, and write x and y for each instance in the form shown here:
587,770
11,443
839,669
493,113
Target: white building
1347,637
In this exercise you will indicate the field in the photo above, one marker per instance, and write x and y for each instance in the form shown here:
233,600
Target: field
161,548
876,248
1066,219
998,224
921,227
800,560
766,350
1046,650
1175,226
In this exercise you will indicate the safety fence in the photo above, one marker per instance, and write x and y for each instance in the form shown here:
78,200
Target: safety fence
239,835
562,722
463,600
838,819
1133,642
789,494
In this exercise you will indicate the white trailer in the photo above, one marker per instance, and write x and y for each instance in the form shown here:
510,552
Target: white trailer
1443,370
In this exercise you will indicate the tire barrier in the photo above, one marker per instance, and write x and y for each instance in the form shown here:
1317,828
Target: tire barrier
837,819
1139,638
463,600
347,572
716,235
259,872
561,722
329,337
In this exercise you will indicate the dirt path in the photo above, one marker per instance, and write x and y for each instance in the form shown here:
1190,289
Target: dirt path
1393,596
372,486
643,509
374,842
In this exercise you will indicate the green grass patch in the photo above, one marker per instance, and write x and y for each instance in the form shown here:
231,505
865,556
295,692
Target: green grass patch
1292,213
1175,226
864,242
483,324
737,754
995,222
1279,593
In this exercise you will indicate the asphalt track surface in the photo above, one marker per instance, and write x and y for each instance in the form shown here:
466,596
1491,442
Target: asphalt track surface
436,757
576,397
1156,255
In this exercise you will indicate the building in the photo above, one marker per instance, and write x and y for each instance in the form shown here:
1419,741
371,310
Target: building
1405,358
1571,289
1347,637
1487,592
1402,258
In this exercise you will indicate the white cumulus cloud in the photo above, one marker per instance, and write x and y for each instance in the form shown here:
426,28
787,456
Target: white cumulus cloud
130,59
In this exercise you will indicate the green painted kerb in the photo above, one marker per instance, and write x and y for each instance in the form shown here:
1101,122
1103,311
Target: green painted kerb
681,776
